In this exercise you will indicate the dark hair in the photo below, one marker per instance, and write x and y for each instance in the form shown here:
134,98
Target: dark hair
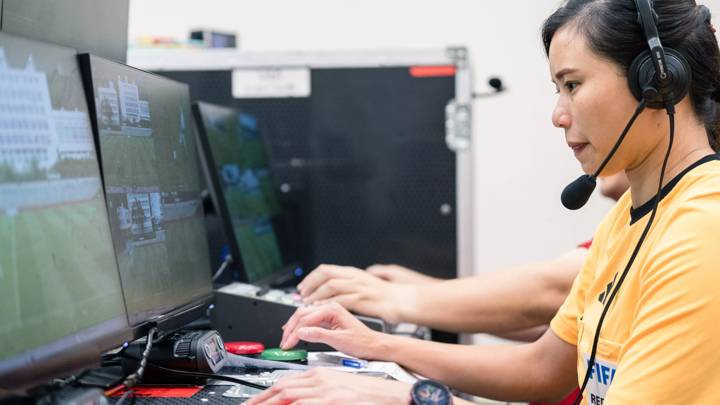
612,31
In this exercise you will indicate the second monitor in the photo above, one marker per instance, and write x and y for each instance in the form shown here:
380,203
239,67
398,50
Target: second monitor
149,166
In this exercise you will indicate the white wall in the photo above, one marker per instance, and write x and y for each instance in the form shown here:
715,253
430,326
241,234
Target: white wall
521,161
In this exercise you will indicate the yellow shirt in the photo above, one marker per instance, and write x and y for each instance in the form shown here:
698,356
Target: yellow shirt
660,341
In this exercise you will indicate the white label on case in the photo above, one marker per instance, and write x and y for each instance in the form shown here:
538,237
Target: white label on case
271,83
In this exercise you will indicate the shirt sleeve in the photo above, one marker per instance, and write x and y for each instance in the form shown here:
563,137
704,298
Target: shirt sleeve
671,355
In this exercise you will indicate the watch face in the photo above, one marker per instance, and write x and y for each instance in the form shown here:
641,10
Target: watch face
430,393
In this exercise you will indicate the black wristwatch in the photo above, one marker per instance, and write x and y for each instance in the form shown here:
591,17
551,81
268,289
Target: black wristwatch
428,392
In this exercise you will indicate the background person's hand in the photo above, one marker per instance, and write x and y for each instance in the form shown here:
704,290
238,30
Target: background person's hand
335,326
321,386
358,291
398,274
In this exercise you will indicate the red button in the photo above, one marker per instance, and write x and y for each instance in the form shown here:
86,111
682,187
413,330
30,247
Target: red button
243,348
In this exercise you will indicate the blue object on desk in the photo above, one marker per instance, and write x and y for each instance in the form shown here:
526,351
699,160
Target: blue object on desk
354,363
342,361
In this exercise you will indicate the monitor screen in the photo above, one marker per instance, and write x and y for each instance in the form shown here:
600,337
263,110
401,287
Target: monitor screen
152,181
60,294
243,186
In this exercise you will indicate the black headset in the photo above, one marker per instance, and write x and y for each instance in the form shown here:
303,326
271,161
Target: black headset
659,78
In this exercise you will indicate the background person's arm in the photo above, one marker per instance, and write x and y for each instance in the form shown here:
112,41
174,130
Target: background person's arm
402,275
499,302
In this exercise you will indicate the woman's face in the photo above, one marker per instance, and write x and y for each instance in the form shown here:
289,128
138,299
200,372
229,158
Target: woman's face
594,105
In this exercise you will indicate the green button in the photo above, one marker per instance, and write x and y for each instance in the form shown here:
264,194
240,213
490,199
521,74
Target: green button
284,355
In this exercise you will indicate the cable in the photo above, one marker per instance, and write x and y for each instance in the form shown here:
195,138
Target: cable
223,266
114,391
207,375
656,203
135,377
199,374
638,110
70,380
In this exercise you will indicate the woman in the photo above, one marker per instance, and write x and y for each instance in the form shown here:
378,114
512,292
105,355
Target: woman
657,342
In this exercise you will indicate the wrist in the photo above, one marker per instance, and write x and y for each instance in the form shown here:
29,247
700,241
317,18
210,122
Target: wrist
385,346
404,308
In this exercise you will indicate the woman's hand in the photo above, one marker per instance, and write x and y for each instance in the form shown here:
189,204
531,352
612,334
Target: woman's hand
326,387
358,291
335,326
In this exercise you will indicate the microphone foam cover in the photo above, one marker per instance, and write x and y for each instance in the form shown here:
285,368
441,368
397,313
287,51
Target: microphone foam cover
577,193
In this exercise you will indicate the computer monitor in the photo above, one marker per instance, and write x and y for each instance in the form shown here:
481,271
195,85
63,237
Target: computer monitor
242,188
152,183
61,302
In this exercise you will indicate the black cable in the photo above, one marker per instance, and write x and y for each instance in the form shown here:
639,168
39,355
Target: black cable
131,380
136,377
199,374
208,375
639,109
59,384
656,203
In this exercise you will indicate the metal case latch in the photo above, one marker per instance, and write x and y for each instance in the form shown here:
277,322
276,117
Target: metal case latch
458,112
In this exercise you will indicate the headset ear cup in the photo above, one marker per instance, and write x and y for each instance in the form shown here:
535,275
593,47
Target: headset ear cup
641,75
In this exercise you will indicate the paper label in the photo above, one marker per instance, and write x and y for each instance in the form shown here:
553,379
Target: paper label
271,83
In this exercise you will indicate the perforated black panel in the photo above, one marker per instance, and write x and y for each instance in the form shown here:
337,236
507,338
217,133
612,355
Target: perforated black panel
366,158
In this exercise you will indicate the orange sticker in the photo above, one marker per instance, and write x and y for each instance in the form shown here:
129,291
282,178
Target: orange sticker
432,71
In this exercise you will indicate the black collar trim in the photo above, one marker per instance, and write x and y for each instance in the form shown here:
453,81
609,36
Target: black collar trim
638,213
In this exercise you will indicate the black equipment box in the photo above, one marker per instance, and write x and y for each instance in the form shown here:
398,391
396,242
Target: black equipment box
240,314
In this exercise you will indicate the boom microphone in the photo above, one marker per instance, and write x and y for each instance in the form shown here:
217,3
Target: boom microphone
577,193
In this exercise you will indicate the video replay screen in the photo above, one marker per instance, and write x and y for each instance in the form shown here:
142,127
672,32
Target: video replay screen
152,179
58,274
246,186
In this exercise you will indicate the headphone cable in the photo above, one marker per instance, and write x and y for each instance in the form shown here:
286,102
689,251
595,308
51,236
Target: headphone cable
656,202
